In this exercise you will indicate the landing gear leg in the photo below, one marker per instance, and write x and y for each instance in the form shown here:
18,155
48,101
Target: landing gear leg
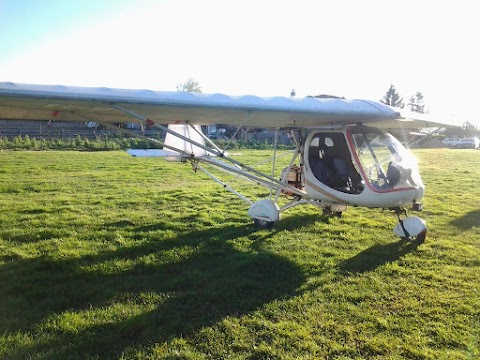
410,228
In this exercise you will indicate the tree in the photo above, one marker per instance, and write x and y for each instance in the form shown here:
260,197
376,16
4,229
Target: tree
416,103
470,129
191,85
392,98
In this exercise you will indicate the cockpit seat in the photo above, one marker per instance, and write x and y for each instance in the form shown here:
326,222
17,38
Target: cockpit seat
329,165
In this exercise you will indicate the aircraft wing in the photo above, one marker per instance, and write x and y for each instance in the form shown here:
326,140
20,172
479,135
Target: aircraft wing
68,103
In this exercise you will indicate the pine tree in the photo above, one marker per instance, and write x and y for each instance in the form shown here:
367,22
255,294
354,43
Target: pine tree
392,98
416,103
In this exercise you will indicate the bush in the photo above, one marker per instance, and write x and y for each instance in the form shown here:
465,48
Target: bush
114,142
78,143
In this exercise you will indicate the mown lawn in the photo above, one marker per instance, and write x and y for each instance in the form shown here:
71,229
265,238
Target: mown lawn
105,256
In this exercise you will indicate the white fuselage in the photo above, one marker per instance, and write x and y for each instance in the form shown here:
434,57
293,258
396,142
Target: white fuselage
360,166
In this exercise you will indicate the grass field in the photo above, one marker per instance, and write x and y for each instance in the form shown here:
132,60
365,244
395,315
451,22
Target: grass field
105,256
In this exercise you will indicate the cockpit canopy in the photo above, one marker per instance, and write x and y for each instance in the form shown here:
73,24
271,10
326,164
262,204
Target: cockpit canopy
385,164
362,156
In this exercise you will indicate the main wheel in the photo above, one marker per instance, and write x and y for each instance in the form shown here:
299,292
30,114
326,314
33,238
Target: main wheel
419,239
331,213
263,224
412,229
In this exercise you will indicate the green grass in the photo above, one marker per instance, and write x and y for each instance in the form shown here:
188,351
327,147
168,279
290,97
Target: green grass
105,256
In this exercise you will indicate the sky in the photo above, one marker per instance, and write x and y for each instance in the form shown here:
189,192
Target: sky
349,48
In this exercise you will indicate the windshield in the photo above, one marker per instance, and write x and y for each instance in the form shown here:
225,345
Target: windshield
385,164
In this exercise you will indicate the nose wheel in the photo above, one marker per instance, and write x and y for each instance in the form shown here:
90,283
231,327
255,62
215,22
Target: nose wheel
410,228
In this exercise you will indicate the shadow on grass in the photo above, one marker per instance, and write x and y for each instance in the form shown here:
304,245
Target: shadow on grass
197,278
467,221
376,256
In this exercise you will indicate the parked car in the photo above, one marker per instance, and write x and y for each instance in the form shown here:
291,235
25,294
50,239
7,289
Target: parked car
451,142
469,143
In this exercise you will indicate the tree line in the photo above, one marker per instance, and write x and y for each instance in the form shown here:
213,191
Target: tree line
393,98
416,104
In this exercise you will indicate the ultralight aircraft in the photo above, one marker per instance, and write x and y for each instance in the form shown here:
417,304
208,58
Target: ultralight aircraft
341,156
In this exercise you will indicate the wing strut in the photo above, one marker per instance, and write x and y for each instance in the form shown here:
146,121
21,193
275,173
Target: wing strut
207,139
238,129
149,122
274,158
225,186
243,169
